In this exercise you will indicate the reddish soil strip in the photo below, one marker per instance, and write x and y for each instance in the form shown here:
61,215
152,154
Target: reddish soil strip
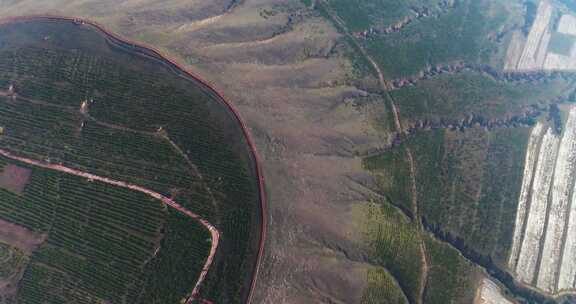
222,99
213,232
14,178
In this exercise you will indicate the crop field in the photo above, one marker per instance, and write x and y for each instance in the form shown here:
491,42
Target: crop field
69,95
468,183
394,244
365,14
451,277
382,289
449,194
452,98
549,43
543,244
392,177
535,221
99,240
167,277
455,33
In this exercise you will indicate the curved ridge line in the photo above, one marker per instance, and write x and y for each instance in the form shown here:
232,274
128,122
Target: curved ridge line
210,87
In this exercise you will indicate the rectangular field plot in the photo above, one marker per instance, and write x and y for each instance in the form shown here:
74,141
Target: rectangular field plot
544,250
550,45
562,44
567,25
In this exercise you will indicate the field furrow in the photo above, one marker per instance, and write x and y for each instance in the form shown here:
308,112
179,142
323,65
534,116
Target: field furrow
568,266
529,164
529,252
561,188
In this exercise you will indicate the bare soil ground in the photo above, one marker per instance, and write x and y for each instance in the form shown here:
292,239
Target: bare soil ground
14,178
490,293
24,241
20,237
276,60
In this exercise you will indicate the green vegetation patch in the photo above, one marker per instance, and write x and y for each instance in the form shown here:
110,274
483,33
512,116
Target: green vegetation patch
361,15
394,243
453,97
11,260
450,276
392,173
382,288
165,280
464,32
468,184
562,44
503,171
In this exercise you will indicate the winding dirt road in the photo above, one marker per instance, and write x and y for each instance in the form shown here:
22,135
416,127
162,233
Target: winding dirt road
386,88
148,50
214,234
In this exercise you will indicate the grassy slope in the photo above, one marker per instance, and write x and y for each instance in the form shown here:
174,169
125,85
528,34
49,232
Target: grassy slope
462,33
382,289
361,15
166,277
451,277
392,177
468,184
394,243
453,97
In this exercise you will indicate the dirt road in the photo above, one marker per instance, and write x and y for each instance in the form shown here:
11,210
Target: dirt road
215,235
386,87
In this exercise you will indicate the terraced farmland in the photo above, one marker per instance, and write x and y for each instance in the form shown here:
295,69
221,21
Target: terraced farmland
99,240
73,96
